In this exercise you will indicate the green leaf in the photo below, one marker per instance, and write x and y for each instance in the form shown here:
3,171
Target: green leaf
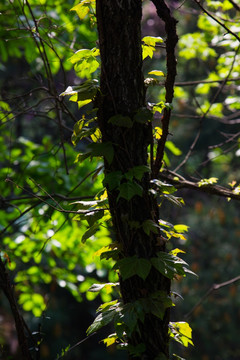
163,187
85,91
101,320
90,232
99,287
143,116
137,172
174,199
181,228
120,120
83,8
172,147
129,189
169,265
112,180
102,149
84,54
93,216
152,40
131,266
181,332
150,226
156,72
110,340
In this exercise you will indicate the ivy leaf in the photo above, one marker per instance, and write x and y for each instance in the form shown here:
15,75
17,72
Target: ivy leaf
85,91
131,266
102,149
101,320
128,190
120,120
150,226
169,265
112,179
143,116
137,172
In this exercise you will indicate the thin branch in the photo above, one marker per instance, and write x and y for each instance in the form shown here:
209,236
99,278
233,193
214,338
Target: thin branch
215,19
18,217
181,183
236,6
204,115
60,209
74,346
211,290
171,42
197,82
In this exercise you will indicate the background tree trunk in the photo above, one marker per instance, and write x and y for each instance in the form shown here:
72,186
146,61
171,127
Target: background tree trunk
123,92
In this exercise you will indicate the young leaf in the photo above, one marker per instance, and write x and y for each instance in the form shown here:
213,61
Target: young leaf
152,40
181,332
205,182
156,72
110,340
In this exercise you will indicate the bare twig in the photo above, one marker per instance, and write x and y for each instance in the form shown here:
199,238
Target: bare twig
215,19
171,42
181,183
211,290
204,115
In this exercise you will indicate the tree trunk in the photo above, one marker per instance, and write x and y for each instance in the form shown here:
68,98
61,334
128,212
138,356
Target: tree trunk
123,92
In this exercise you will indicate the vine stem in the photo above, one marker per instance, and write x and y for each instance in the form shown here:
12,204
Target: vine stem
171,42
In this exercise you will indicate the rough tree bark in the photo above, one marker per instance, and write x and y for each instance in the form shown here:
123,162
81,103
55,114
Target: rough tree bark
123,92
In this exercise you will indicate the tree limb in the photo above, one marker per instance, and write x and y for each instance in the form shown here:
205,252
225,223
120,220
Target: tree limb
171,42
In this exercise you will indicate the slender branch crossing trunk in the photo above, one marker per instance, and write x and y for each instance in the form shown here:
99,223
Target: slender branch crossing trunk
123,92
